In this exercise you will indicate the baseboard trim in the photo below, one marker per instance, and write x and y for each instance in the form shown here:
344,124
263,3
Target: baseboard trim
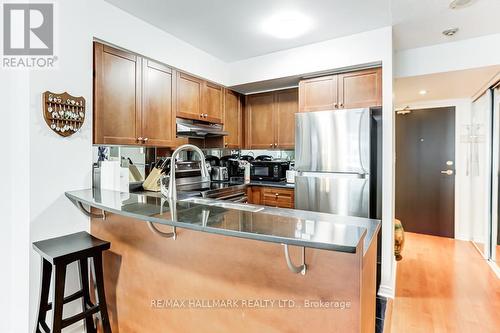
494,267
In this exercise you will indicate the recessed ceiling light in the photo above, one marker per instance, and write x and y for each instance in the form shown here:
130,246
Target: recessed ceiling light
459,4
287,25
450,32
423,92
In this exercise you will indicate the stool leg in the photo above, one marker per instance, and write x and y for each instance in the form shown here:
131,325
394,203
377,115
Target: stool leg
99,281
58,299
84,281
44,296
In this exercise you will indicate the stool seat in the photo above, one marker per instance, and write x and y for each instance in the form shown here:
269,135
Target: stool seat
70,247
59,252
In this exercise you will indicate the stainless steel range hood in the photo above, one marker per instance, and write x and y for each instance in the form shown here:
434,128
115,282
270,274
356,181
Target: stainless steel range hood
197,129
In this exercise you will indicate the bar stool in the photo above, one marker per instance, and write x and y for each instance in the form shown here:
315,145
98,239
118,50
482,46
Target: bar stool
60,252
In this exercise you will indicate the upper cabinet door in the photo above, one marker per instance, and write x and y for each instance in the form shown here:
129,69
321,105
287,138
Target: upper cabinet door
318,94
232,120
158,116
286,107
189,96
213,103
260,121
360,89
117,96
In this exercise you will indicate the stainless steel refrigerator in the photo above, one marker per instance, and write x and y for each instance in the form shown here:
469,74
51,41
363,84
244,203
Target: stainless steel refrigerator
337,158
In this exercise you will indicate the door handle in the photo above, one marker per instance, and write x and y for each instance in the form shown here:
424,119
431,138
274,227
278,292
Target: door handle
447,172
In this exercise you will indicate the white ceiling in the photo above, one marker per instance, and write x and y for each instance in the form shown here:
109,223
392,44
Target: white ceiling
443,86
421,22
230,29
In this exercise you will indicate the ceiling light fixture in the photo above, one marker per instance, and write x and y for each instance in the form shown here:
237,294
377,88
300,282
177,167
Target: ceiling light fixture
287,25
450,32
459,4
423,92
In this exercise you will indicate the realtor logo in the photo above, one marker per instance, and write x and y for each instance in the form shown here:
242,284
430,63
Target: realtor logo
28,29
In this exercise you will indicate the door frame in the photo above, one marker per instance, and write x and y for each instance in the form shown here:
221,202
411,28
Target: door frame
462,117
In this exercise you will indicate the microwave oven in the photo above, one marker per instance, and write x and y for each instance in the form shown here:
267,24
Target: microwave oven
274,171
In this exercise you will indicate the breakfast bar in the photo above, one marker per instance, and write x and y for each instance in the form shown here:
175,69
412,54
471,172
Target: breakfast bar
175,264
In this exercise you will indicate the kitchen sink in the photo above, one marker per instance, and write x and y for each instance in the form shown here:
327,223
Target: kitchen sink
228,205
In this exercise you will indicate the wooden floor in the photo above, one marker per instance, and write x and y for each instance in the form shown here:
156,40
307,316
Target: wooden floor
443,285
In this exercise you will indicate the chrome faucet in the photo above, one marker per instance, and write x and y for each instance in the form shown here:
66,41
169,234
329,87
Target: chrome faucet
205,176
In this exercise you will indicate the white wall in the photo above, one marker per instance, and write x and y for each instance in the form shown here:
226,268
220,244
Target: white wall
470,53
463,194
363,48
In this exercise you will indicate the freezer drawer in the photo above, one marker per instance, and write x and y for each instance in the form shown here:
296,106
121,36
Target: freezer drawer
342,194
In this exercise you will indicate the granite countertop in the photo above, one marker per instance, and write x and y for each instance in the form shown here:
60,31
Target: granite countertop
287,226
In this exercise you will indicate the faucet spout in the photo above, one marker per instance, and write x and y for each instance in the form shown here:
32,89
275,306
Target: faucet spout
172,188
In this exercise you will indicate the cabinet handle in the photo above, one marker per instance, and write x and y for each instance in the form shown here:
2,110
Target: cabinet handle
271,145
225,145
146,139
341,105
336,105
139,138
205,115
275,145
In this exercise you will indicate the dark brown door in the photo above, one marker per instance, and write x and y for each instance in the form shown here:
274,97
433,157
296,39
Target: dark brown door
425,173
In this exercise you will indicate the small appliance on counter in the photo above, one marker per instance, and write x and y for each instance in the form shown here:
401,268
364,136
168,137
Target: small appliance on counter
274,171
219,174
264,158
110,175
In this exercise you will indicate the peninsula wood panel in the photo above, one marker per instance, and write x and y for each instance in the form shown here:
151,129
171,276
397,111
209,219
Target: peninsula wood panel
142,267
261,124
158,115
117,96
286,108
232,120
189,96
360,89
213,102
318,94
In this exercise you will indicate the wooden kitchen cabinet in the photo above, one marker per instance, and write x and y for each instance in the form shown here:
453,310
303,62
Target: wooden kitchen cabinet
233,119
133,99
318,94
360,89
117,96
357,89
199,99
213,102
286,107
189,96
260,121
271,196
158,95
271,119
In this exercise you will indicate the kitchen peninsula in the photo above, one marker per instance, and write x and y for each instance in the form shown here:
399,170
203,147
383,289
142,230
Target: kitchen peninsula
225,252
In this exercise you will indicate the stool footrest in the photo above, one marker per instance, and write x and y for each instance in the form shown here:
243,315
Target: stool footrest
70,298
80,316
